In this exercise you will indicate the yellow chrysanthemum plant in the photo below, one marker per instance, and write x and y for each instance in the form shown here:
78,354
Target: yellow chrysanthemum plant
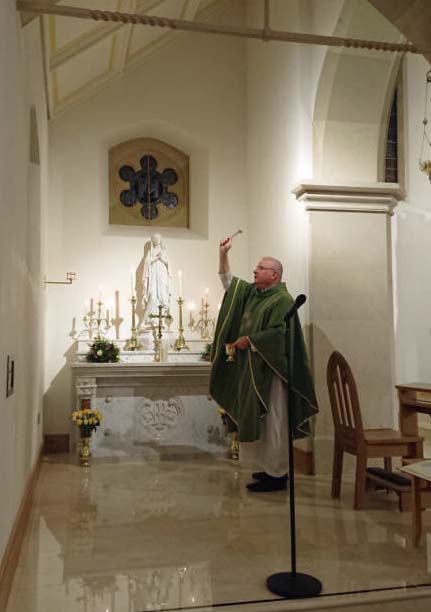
87,419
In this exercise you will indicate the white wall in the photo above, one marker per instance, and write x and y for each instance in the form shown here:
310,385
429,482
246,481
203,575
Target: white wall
353,100
196,102
412,242
21,292
282,81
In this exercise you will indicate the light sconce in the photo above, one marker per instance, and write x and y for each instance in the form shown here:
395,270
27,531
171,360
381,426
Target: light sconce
70,277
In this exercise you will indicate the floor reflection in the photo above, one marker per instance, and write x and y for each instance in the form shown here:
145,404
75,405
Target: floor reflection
168,529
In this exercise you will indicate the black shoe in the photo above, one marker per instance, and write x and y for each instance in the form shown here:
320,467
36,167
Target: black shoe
268,484
259,475
264,476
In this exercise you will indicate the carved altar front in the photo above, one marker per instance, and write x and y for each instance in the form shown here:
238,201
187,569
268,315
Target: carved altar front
146,404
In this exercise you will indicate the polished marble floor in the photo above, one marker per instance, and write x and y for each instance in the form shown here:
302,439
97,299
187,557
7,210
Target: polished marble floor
173,527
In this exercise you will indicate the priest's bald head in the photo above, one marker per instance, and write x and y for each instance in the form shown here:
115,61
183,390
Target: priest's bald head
268,272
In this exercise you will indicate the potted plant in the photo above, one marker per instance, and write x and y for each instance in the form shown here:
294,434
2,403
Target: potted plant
103,351
88,420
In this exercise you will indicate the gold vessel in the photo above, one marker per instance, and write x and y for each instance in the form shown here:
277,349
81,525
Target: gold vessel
85,452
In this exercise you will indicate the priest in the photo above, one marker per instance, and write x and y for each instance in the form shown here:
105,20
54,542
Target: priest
252,389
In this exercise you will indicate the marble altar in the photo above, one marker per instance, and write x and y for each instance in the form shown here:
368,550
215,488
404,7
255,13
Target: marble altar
149,403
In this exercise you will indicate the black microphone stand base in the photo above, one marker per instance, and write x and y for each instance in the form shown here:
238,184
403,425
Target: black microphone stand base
294,586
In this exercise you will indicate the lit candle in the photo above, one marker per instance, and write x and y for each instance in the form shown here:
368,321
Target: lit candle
191,308
107,316
100,293
180,283
132,280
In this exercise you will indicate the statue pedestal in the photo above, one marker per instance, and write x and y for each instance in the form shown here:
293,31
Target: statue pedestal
147,338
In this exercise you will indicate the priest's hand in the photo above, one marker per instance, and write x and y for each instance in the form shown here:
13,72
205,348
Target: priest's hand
242,343
225,245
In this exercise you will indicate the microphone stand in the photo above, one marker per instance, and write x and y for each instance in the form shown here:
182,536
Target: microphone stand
292,585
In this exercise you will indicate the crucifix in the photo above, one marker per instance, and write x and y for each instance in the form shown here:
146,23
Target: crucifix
160,318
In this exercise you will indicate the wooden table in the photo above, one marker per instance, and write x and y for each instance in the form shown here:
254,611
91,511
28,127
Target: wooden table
417,471
413,398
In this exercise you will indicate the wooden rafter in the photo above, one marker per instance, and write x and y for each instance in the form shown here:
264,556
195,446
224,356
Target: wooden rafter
265,33
27,17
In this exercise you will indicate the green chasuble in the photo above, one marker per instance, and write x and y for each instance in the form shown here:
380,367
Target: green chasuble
242,387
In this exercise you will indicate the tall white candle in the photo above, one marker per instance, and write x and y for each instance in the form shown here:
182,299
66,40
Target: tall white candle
132,280
191,307
180,283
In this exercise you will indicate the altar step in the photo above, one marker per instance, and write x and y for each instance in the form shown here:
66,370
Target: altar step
417,598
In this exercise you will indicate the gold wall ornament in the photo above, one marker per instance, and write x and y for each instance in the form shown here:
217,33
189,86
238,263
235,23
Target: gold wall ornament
425,164
148,184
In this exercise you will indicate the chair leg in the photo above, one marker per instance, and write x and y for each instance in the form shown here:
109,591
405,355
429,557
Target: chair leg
388,463
337,470
360,480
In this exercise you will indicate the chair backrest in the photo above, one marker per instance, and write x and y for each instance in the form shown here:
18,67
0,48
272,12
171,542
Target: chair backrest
344,399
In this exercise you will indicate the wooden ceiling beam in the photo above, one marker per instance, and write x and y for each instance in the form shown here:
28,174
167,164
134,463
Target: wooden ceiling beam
27,17
265,33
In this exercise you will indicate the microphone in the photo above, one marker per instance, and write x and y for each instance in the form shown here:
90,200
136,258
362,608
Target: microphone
299,301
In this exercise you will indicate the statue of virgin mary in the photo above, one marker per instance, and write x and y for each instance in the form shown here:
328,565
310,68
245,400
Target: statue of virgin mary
152,281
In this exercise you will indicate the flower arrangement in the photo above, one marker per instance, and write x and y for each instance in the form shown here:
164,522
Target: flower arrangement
87,419
103,351
206,353
425,166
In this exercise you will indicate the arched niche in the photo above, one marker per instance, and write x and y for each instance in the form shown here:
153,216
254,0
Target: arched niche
353,100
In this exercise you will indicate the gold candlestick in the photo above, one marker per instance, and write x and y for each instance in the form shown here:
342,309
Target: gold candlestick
133,344
180,342
89,321
96,323
205,325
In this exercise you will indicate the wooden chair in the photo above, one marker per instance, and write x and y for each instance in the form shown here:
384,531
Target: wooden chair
351,437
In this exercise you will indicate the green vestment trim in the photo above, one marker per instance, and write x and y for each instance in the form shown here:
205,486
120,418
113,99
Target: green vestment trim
242,387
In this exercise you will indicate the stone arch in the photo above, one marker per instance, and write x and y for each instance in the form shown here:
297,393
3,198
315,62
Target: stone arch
353,99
